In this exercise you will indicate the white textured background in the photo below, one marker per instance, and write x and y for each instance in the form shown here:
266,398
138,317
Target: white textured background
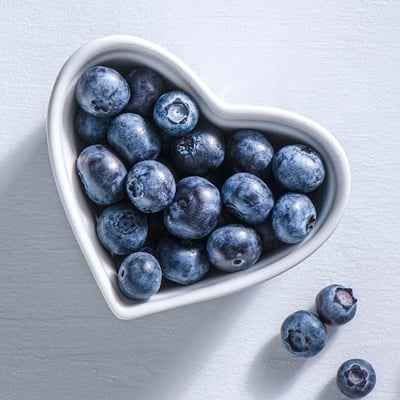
334,61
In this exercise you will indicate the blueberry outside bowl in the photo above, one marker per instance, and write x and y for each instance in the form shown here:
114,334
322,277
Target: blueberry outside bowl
280,126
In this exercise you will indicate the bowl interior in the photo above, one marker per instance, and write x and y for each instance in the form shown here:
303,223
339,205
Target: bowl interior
281,127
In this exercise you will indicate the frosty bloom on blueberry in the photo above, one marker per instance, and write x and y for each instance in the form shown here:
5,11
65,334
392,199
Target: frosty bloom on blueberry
249,151
139,276
102,92
134,138
91,130
336,304
150,186
121,229
298,168
102,174
234,247
293,217
182,261
198,151
146,87
222,212
195,209
356,378
247,197
176,113
303,334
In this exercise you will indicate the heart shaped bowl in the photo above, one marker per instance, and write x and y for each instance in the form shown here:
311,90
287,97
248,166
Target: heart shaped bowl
280,126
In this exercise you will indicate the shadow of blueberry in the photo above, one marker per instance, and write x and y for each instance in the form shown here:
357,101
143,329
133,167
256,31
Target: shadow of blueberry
274,370
331,392
200,330
54,321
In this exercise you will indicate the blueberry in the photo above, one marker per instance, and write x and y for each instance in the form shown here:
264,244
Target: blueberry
146,87
139,276
91,129
195,209
356,378
293,217
176,113
121,229
247,197
336,305
134,138
198,151
303,334
298,168
150,186
102,174
182,261
249,151
233,247
102,92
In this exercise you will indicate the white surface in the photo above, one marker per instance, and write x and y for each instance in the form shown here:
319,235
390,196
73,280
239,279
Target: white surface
336,62
281,125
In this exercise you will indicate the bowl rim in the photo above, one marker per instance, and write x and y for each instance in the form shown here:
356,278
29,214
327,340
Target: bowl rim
339,167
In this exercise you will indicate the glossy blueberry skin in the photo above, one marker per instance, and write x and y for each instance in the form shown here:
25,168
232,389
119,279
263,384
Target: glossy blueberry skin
356,378
249,151
139,276
336,304
182,261
134,138
102,91
298,168
121,229
146,87
233,248
198,151
102,174
91,129
150,186
247,197
195,209
293,217
176,113
303,334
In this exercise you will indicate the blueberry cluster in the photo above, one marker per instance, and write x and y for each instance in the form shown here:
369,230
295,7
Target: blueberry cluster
304,334
178,195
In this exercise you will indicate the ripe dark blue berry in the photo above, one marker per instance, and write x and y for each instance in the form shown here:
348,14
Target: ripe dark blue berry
182,261
90,129
198,151
233,247
247,197
102,174
150,186
303,334
102,91
356,378
139,276
298,168
121,229
176,113
146,87
195,210
336,304
293,217
134,138
249,151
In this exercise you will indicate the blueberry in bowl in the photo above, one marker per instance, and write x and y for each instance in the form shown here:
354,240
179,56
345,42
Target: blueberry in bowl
281,128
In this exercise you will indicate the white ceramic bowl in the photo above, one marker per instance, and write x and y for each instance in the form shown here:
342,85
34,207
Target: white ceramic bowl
123,52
